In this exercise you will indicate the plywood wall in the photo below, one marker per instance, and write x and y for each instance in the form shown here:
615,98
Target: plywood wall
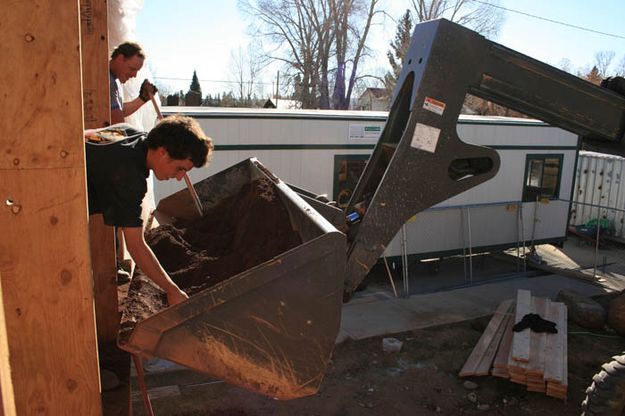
44,250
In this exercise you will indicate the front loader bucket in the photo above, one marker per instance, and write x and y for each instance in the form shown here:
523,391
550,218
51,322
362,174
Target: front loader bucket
270,328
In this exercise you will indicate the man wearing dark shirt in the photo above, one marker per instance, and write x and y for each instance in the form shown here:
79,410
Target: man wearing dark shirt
119,160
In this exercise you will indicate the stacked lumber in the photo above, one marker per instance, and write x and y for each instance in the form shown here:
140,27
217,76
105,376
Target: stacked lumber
536,360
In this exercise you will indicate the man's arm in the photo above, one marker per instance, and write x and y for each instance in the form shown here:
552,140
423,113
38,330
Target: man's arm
131,106
146,260
117,115
146,91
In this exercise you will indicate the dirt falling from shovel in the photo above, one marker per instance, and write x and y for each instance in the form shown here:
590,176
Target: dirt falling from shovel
239,233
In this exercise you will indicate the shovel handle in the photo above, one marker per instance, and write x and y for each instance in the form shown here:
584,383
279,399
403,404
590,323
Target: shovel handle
194,195
159,115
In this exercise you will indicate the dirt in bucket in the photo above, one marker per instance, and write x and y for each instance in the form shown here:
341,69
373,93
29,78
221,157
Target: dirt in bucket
237,234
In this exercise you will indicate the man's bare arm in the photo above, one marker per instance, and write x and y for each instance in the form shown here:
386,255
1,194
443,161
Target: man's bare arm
146,260
131,106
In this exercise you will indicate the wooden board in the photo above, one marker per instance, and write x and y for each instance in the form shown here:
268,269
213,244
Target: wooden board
95,63
44,250
7,404
501,359
481,358
102,242
536,363
521,340
488,357
97,113
556,346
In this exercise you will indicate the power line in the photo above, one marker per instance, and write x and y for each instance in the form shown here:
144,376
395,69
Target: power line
209,80
550,20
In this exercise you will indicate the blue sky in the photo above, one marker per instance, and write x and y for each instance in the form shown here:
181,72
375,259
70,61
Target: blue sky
188,35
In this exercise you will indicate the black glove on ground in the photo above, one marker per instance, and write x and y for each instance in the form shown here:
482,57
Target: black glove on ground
536,324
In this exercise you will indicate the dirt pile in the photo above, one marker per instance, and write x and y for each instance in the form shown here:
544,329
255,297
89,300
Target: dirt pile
239,233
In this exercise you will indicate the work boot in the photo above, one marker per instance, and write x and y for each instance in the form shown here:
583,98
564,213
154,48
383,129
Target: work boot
108,380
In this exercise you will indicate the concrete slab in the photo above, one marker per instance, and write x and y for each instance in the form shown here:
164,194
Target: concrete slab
376,313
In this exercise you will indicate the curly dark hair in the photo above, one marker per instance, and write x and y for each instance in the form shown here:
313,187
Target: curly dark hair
183,139
128,49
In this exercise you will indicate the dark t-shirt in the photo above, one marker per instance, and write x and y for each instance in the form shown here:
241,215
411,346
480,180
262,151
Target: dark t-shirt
116,175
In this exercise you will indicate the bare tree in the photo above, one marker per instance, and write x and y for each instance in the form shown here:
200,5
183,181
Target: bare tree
620,69
480,16
603,60
351,33
290,27
246,66
566,65
309,36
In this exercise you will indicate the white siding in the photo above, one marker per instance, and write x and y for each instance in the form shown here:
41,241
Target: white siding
493,210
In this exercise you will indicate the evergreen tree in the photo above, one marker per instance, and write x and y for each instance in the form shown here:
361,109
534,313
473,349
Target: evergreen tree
399,48
194,95
195,84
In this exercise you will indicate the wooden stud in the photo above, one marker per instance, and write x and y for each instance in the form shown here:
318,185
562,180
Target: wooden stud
536,363
501,359
7,404
95,63
44,250
481,358
521,340
488,357
102,240
556,346
97,113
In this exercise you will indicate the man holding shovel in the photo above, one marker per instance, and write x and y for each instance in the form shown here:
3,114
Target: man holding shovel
119,160
126,60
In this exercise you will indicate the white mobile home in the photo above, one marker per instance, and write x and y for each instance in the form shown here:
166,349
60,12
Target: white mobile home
325,152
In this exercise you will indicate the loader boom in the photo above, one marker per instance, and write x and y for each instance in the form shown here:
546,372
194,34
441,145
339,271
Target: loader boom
419,160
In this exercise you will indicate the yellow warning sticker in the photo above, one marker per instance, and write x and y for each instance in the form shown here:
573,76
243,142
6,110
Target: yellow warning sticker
434,106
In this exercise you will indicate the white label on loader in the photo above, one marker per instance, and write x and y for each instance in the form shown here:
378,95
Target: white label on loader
425,137
434,106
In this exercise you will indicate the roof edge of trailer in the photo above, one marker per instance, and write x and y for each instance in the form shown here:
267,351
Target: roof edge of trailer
374,116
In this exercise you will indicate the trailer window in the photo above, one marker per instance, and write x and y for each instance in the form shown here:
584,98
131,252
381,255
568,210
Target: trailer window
542,177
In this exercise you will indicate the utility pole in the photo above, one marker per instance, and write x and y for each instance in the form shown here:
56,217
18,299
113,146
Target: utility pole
277,87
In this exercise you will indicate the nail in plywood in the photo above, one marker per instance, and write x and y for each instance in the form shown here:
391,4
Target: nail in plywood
481,358
521,340
44,250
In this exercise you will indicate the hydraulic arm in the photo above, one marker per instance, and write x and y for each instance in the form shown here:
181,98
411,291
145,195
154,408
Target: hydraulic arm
419,160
